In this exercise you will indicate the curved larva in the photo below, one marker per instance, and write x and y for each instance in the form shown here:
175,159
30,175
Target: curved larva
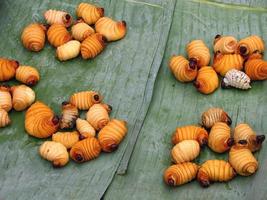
22,97
207,80
5,98
58,35
68,50
185,151
68,139
225,44
33,37
181,69
85,128
237,79
4,118
179,174
256,69
81,30
69,115
27,75
58,17
54,152
8,69
89,13
250,45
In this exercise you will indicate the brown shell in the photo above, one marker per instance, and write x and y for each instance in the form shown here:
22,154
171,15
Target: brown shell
5,98
27,75
68,139
4,118
85,129
69,115
40,121
8,69
250,45
58,17
22,97
225,44
256,69
81,30
89,13
58,35
85,99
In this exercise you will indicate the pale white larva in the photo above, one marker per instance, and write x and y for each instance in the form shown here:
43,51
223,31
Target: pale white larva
237,79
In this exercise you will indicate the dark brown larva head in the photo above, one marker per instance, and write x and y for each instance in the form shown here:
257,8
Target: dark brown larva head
217,36
196,84
204,183
78,157
228,120
96,97
101,11
110,107
104,39
224,85
55,120
230,142
203,142
67,17
193,63
243,50
260,139
81,137
171,182
242,142
56,164
32,80
124,23
111,147
64,103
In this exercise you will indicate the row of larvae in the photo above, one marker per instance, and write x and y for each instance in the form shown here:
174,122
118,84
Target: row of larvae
83,38
84,143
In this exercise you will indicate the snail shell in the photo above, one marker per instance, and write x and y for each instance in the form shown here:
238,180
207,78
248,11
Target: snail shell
68,50
5,98
85,99
89,13
58,17
27,75
22,97
8,69
58,35
4,118
68,139
84,128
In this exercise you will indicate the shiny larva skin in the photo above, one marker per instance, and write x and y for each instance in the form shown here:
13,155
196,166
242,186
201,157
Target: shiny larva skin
58,35
256,67
7,69
22,97
4,118
112,30
215,171
27,75
68,50
69,115
68,139
5,98
250,45
89,13
58,17
180,174
112,134
85,99
81,30
224,44
54,152
185,151
181,69
85,129
237,79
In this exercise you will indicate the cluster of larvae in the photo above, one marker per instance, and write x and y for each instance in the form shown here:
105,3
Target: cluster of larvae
18,97
189,139
83,38
85,138
238,62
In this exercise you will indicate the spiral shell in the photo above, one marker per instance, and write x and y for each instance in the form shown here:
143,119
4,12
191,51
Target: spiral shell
237,79
112,30
85,150
27,75
54,152
7,69
81,30
256,69
84,128
40,120
112,134
68,139
93,45
85,99
33,37
69,115
89,13
58,17
4,118
224,63
58,35
97,116
245,132
22,97
180,174
225,44
242,159
181,69
207,80
5,98
250,45
190,132
68,50
198,53
220,137
214,170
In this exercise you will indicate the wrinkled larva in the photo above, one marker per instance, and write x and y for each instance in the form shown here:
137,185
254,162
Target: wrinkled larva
237,79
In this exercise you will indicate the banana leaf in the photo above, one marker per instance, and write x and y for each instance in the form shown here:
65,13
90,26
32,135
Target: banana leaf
177,104
124,74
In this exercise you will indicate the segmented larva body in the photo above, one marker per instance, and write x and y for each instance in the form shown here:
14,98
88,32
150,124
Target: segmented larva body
7,69
69,115
198,53
85,129
242,159
207,80
213,115
97,116
5,98
237,79
22,97
81,30
224,63
68,50
112,30
58,17
112,134
58,35
220,137
250,45
68,139
33,37
89,13
180,174
256,69
181,69
85,150
54,152
27,75
85,99
4,118
225,44
40,120
245,132
93,45
213,171
190,132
